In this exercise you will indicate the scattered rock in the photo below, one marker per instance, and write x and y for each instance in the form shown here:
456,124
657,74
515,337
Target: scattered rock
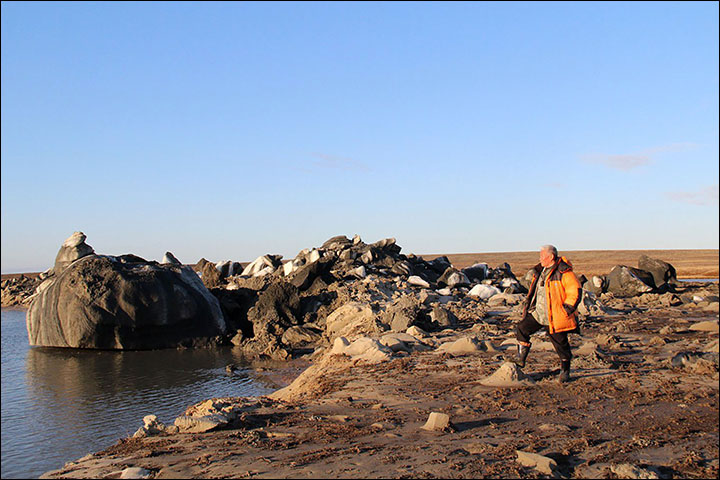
437,422
461,346
418,281
364,348
508,375
707,326
135,472
627,470
540,463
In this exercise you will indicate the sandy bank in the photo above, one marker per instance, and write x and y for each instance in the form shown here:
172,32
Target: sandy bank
628,407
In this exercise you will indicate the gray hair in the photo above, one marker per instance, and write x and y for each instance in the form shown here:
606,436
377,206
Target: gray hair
551,249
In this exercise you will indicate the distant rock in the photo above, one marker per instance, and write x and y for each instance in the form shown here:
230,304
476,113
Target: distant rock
209,273
453,278
662,272
262,265
626,281
477,272
597,285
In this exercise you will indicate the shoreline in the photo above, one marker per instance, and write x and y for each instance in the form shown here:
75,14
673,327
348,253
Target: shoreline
627,409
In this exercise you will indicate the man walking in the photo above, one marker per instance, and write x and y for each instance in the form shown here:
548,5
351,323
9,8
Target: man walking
551,303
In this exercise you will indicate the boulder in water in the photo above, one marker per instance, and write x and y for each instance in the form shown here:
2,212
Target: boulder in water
124,302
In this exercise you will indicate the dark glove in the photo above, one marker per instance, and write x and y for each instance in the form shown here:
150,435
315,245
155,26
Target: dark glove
570,310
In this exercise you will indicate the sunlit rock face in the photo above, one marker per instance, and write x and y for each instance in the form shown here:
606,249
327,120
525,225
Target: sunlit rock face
123,302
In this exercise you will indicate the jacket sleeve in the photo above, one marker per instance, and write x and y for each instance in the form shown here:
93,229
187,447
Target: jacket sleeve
572,289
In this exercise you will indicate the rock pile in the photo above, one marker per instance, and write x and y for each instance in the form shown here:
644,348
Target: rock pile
18,290
347,288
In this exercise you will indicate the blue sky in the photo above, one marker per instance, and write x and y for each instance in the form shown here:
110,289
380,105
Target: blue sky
231,130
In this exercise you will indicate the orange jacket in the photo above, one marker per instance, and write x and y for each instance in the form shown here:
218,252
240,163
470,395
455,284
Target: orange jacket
562,291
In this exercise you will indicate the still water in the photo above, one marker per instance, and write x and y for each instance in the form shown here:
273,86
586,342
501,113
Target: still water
61,404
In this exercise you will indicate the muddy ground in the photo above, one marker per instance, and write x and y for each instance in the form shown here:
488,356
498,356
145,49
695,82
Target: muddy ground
627,412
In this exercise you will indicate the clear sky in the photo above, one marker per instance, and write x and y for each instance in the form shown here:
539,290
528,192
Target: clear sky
230,130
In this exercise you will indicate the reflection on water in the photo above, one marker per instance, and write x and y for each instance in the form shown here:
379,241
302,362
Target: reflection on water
67,403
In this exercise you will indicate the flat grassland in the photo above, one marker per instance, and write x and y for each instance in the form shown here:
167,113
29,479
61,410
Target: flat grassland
687,263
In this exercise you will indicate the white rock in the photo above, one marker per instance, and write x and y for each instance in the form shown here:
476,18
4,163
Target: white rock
257,265
418,281
445,291
288,268
483,291
169,259
360,272
314,256
135,472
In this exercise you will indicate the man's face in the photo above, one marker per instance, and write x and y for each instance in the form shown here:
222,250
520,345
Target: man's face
546,258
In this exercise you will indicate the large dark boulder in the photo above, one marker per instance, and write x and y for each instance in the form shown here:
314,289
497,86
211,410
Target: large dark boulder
304,277
124,302
477,272
624,281
662,272
276,310
439,264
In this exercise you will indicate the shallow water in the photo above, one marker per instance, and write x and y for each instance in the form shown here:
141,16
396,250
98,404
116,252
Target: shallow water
61,404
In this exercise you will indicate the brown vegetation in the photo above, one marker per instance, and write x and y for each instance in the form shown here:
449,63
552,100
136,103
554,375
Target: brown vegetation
687,263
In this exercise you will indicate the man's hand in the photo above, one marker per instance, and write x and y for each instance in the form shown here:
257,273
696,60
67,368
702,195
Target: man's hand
570,310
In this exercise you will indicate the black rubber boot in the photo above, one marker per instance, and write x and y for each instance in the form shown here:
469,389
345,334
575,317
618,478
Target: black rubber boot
522,354
565,372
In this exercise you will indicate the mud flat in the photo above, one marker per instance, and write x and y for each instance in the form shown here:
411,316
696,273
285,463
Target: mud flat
642,403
